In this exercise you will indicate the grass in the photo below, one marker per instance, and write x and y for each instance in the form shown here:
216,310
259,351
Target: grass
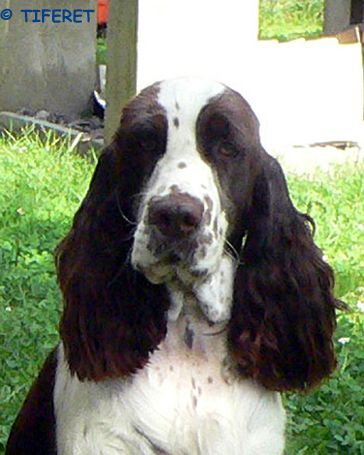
42,184
101,51
331,420
290,19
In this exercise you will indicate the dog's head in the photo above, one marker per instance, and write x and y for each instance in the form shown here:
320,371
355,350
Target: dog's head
186,197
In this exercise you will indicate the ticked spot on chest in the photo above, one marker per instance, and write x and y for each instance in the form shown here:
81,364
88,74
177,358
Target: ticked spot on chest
184,377
180,390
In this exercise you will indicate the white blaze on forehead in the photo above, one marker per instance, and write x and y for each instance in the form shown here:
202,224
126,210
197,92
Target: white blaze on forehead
185,97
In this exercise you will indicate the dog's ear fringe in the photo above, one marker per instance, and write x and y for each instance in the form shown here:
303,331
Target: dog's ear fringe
113,317
283,316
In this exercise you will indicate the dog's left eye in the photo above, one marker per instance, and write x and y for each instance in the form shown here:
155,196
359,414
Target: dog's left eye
146,140
148,143
227,149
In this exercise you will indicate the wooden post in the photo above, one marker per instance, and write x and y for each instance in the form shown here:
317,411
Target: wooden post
121,61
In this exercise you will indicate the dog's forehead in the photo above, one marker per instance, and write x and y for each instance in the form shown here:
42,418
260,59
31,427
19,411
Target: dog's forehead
184,98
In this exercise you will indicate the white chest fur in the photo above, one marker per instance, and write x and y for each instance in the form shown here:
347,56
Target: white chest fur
183,403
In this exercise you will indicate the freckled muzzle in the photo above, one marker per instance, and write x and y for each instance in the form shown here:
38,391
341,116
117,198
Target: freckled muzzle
175,217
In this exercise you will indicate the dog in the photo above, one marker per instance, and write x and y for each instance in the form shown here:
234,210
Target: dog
193,292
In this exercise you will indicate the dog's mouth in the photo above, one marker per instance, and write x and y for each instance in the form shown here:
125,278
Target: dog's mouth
174,265
192,268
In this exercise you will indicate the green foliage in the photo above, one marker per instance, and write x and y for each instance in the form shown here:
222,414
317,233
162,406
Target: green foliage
41,186
290,19
331,420
101,51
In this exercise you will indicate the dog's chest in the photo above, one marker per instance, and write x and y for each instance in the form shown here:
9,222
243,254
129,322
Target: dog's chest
184,392
183,402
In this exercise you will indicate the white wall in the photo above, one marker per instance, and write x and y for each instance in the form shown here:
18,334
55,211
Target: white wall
194,37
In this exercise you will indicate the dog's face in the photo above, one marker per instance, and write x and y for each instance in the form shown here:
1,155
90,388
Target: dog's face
186,201
203,138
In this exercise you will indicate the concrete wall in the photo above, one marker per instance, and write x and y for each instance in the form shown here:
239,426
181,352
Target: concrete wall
337,16
47,65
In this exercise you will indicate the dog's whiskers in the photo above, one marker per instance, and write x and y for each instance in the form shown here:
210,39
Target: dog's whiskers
125,218
231,251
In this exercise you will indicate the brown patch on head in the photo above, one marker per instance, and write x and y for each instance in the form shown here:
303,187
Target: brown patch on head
143,106
142,134
176,122
182,165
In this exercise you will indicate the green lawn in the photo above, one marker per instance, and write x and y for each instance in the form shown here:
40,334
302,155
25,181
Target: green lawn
40,188
289,19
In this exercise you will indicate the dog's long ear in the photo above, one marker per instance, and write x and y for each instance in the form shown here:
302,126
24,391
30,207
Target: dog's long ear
113,317
284,310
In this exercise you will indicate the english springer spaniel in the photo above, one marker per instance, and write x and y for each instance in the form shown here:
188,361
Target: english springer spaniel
193,292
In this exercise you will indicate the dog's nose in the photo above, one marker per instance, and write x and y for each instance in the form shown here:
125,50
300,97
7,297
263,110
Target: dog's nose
176,216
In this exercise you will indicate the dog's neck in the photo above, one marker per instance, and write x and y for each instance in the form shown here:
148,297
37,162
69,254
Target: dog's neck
189,330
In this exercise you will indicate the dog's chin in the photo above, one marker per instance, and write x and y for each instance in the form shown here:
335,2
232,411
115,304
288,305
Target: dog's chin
188,284
165,272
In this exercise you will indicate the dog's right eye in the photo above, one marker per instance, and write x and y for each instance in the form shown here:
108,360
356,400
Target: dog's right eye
145,140
148,142
218,127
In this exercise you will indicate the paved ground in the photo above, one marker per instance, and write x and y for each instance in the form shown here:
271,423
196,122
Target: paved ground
308,160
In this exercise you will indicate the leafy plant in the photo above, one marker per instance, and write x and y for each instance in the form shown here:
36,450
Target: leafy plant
41,185
101,51
290,19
